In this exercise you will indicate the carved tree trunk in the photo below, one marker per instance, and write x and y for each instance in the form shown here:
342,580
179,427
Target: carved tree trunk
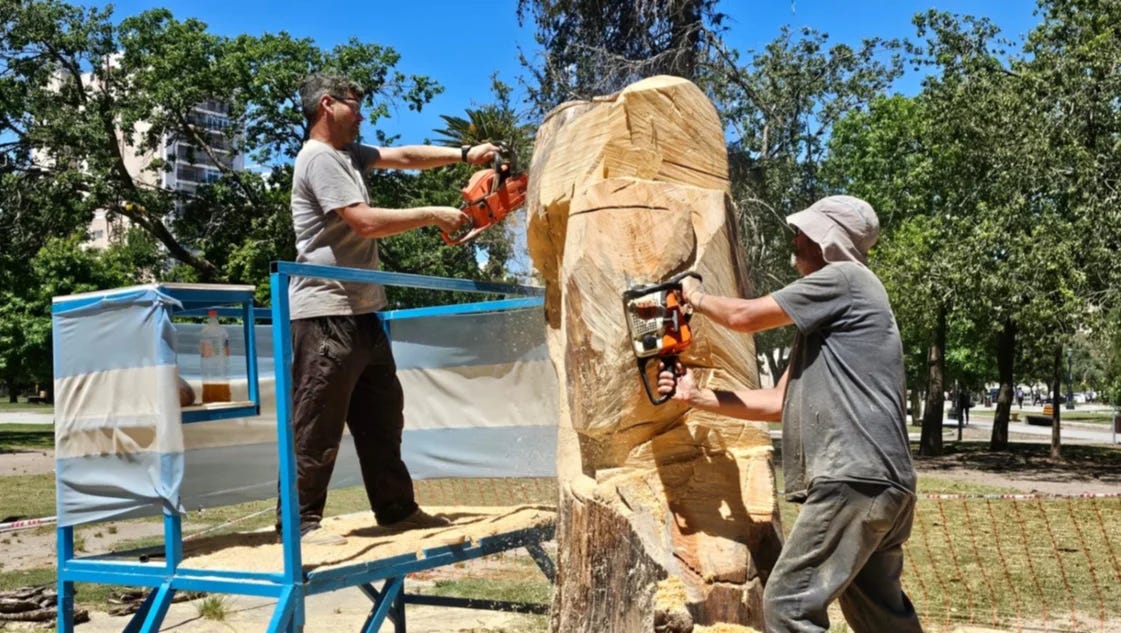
667,516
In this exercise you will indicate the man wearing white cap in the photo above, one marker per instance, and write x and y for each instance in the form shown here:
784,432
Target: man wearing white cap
845,451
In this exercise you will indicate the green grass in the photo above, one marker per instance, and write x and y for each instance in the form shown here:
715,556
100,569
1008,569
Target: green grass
988,560
28,496
24,406
993,559
26,437
538,590
213,608
1090,417
87,595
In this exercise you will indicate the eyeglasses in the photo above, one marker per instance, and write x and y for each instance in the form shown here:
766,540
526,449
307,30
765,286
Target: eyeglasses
347,100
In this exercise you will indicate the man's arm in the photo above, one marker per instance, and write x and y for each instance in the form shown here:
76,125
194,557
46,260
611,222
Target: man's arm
741,315
370,221
745,404
429,156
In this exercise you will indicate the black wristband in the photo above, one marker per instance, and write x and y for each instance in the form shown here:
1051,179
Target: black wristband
463,153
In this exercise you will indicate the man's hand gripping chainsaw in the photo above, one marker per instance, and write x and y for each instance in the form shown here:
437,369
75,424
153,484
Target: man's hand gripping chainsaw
489,196
658,322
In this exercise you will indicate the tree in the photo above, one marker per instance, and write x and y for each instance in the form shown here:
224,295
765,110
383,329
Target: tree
33,210
1072,78
781,108
596,47
81,94
1015,180
927,163
95,92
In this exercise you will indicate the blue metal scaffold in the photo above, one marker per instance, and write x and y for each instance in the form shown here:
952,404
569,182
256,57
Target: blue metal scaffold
294,584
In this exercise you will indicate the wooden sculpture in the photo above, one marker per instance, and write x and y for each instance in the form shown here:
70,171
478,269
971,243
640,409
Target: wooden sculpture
667,517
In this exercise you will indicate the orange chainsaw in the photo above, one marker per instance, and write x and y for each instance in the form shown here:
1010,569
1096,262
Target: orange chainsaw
489,196
658,321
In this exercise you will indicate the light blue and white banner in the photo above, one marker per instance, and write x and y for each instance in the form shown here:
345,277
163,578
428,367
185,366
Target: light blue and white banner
480,401
118,438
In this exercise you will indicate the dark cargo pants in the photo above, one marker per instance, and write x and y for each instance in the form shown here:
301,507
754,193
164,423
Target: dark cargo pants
343,372
847,543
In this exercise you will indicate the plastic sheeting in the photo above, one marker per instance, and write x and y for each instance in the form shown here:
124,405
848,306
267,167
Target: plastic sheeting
480,401
118,439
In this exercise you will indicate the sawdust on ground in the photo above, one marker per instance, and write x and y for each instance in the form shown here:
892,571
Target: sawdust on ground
365,541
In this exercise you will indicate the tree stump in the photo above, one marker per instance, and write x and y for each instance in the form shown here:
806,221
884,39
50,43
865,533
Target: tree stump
667,517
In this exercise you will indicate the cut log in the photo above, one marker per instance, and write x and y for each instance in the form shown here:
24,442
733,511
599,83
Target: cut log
667,517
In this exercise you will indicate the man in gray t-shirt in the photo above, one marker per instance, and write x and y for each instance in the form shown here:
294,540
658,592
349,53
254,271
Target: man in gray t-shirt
845,451
343,370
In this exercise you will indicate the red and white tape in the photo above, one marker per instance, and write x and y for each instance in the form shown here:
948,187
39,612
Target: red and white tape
1021,497
24,524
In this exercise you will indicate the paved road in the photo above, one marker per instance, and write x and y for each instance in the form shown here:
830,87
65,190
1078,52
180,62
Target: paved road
1094,433
981,418
46,416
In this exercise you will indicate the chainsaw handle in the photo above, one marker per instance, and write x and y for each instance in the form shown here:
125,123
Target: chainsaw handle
458,238
673,283
669,363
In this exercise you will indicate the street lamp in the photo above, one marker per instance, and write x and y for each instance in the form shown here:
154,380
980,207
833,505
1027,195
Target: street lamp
1070,381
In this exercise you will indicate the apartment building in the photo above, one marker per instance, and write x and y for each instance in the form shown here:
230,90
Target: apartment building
188,165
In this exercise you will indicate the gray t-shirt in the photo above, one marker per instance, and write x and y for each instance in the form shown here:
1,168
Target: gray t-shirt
843,414
325,179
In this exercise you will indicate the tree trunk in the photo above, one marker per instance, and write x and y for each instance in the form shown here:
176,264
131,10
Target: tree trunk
13,391
916,405
1056,406
1005,357
930,442
666,515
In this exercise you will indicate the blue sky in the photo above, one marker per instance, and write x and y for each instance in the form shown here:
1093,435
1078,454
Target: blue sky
461,43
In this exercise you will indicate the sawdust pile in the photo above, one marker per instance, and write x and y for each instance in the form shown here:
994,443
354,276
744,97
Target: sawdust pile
365,540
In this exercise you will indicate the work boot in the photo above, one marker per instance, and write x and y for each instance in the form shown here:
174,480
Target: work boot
419,520
316,535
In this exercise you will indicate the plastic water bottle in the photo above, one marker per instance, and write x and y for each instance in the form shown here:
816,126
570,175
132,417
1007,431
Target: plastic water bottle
214,348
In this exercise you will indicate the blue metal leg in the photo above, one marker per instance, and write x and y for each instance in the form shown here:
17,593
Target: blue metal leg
160,601
299,615
544,563
282,620
64,544
388,603
65,607
141,614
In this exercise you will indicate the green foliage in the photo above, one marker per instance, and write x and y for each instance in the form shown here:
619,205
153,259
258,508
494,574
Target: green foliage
84,79
994,190
597,47
781,107
73,80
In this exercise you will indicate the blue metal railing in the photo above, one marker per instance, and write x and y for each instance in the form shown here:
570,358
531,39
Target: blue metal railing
291,586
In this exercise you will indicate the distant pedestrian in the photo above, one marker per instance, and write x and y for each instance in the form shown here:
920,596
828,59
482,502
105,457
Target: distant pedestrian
963,406
1019,397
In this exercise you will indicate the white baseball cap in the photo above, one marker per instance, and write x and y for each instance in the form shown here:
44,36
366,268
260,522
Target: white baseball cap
844,226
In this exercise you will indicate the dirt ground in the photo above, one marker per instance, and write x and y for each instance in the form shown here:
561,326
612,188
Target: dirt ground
1028,469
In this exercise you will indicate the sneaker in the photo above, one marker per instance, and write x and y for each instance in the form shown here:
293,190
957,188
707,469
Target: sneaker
319,536
420,520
